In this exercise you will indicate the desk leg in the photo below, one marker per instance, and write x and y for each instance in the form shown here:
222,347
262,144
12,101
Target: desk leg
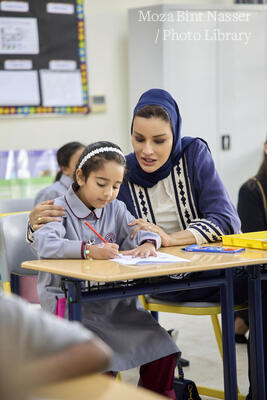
257,379
228,337
74,303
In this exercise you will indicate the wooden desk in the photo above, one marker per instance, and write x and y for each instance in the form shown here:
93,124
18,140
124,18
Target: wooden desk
95,387
109,271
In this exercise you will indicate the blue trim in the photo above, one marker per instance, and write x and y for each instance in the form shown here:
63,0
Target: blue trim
149,206
202,233
209,225
177,199
188,189
136,201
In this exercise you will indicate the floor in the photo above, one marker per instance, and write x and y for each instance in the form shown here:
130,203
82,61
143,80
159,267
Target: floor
197,343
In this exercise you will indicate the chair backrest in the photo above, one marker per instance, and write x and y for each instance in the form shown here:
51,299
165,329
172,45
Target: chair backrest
13,246
15,205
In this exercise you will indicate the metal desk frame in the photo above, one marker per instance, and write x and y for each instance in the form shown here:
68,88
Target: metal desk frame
155,285
257,378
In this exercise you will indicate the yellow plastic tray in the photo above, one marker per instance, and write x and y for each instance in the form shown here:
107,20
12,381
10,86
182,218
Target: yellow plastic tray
254,240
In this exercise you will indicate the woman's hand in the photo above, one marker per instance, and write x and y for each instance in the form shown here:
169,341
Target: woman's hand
144,250
143,225
45,212
108,250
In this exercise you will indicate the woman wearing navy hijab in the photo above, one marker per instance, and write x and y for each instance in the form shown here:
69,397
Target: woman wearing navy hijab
172,185
174,189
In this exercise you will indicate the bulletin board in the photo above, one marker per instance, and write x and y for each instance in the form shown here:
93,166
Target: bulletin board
42,58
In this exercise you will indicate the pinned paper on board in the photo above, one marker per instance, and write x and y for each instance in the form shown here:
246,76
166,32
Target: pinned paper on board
19,88
19,36
42,44
61,88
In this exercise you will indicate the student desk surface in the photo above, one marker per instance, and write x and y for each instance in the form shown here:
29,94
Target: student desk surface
97,387
110,271
149,279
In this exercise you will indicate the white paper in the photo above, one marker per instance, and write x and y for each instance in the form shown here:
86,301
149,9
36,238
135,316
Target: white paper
162,258
19,36
60,8
61,88
14,6
62,65
19,88
18,64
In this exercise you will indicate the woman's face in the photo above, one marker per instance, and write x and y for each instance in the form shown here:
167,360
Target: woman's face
152,141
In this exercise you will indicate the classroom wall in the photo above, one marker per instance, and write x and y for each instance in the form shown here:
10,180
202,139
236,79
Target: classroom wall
107,55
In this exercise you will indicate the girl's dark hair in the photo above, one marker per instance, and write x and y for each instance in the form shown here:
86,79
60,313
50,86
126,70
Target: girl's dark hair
262,172
97,161
64,155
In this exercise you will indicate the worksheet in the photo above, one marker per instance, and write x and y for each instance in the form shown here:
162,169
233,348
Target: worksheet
162,258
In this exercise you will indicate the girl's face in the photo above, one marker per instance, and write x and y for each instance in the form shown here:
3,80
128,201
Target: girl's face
102,186
152,141
69,170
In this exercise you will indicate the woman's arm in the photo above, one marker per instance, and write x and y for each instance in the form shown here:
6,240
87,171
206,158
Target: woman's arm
216,214
173,239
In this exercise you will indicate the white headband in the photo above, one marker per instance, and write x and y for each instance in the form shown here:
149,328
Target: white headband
97,151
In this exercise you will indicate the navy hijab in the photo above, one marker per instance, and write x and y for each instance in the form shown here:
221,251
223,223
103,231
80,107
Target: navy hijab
135,173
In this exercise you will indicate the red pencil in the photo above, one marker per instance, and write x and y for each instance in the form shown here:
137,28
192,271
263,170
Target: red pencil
97,234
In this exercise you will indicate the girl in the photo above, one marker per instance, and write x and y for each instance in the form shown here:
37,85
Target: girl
67,157
131,331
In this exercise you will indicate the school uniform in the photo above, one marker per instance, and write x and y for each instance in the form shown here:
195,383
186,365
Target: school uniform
55,190
132,333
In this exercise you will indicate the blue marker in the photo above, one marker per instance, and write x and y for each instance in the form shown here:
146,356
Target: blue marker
212,249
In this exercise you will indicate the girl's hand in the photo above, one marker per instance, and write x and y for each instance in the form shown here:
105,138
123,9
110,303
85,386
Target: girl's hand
143,225
109,250
45,212
145,250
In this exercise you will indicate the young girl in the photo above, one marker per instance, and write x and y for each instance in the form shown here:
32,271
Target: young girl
67,157
135,337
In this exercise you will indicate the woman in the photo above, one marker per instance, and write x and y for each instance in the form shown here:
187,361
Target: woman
252,210
252,200
173,187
